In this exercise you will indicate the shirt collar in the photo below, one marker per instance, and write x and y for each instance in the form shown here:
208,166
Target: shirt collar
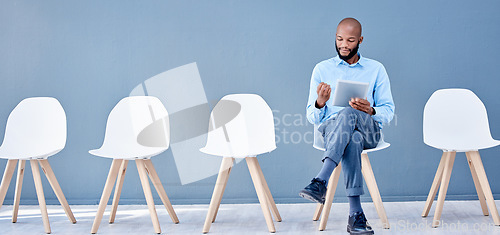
339,61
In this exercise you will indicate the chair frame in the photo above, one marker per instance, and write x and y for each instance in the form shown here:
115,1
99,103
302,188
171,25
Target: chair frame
371,184
263,193
442,180
49,173
117,173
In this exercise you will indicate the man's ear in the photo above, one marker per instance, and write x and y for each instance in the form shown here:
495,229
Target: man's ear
360,39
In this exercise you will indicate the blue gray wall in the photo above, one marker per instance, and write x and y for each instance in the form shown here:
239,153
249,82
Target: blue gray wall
90,54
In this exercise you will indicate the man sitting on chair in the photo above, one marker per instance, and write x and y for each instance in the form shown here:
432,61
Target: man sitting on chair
347,131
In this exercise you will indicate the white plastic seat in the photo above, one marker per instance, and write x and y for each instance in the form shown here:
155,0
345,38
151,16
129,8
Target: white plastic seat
36,130
368,175
241,126
137,129
455,120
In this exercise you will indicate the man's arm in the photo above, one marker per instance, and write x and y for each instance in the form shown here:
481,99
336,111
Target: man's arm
316,109
382,98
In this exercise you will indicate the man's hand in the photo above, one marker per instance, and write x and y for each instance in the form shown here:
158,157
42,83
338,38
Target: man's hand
361,105
323,91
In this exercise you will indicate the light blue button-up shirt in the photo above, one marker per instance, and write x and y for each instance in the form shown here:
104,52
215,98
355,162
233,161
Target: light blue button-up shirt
365,70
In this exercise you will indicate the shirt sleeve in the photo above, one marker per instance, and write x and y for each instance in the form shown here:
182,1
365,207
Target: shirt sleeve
314,115
382,97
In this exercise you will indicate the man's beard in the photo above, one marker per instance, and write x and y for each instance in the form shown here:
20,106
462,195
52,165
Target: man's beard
351,54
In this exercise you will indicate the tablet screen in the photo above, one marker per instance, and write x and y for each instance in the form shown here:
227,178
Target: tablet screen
345,90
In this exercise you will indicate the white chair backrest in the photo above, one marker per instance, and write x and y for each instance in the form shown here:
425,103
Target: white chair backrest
455,119
319,142
240,125
36,128
129,123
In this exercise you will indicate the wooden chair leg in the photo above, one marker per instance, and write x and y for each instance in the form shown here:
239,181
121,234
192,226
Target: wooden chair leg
40,195
445,180
225,167
7,177
147,193
51,177
269,196
485,185
257,182
319,207
118,190
161,191
106,193
19,186
330,193
317,212
223,189
480,193
371,184
435,186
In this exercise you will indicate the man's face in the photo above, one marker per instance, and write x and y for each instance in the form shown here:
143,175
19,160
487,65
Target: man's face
347,41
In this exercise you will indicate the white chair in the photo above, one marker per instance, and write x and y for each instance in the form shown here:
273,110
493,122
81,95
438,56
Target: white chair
241,126
137,129
368,175
36,130
455,120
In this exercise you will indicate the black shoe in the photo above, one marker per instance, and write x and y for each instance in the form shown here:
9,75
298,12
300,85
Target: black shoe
315,191
357,224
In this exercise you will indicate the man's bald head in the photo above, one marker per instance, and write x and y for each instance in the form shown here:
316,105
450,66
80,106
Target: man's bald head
348,38
350,24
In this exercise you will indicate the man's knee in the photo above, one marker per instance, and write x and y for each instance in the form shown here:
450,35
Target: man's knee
347,116
347,111
356,139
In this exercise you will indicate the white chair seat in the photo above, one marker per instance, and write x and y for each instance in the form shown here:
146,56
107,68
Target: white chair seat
464,131
127,153
126,130
25,154
381,145
135,126
36,130
241,126
466,146
243,155
444,129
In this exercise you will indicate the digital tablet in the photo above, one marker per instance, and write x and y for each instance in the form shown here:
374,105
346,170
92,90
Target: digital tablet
345,90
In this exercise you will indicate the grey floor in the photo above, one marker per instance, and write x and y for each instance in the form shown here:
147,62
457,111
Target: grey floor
459,217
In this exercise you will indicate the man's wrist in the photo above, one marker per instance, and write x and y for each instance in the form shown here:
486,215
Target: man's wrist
318,105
